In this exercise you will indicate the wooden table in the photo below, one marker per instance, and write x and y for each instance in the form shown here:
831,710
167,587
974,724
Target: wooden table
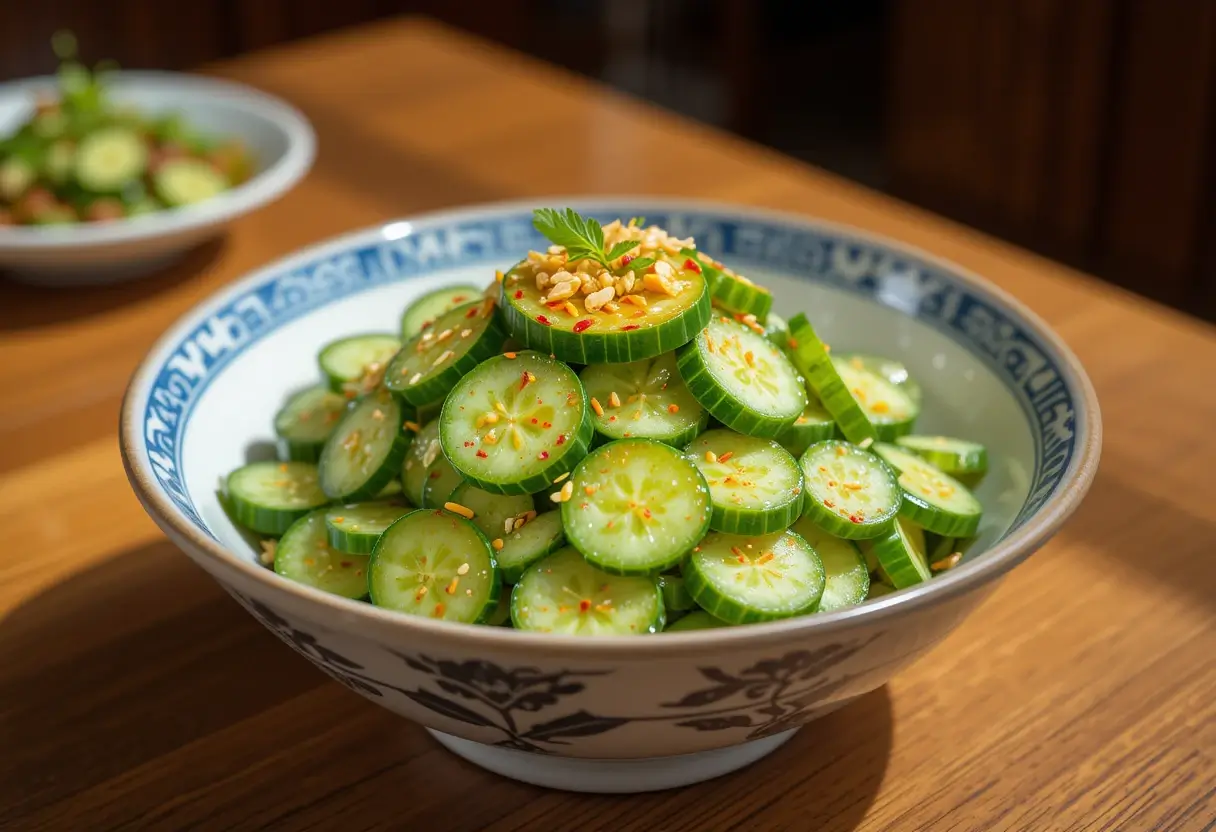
134,693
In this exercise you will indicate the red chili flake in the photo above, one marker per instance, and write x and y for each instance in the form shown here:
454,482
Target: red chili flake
427,324
519,294
468,444
458,299
561,439
543,455
692,266
583,324
482,454
854,518
829,504
584,605
629,327
627,259
543,320
546,425
472,313
535,421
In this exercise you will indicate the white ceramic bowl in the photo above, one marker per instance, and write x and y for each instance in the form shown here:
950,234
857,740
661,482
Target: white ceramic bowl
281,139
615,714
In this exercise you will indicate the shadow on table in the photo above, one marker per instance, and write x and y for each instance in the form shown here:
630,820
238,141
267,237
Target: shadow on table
137,692
28,307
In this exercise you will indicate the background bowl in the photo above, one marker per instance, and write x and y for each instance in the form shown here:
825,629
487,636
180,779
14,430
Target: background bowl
614,714
280,138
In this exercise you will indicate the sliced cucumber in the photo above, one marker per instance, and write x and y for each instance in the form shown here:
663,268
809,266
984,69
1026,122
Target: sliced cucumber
491,512
813,425
514,425
501,616
847,576
188,181
810,356
435,564
267,497
676,597
441,480
635,507
777,330
365,450
890,410
742,579
630,333
755,485
422,453
902,555
305,556
564,594
306,421
850,492
742,379
695,620
421,314
356,365
431,363
890,369
645,399
529,540
355,528
931,499
109,159
956,457
732,292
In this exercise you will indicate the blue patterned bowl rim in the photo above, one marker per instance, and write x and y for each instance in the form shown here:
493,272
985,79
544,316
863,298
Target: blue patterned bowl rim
1045,377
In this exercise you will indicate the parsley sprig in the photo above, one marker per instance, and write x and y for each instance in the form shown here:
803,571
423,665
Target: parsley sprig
583,238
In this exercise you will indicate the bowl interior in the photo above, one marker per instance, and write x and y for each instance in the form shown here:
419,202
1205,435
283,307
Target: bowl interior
216,380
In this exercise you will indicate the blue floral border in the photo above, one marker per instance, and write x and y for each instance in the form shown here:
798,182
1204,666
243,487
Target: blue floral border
919,288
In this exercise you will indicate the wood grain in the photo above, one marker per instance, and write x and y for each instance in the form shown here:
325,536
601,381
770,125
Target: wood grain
133,694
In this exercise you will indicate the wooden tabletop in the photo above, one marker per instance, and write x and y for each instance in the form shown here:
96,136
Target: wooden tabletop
133,693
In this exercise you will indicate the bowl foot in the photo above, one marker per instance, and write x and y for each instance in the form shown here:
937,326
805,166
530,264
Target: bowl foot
649,774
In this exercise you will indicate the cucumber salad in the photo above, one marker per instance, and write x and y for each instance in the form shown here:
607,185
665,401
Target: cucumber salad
617,436
83,158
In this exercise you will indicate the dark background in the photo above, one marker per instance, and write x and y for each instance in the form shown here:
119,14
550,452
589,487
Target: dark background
1084,129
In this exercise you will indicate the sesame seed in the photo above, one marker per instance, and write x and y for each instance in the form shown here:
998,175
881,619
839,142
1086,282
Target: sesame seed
711,457
457,508
417,377
673,408
562,477
444,356
463,570
614,400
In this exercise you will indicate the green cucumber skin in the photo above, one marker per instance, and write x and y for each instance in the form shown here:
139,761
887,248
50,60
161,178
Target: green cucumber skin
260,519
901,571
675,440
750,523
833,523
290,451
676,596
413,324
709,598
615,348
956,464
730,294
388,470
719,404
933,519
695,620
823,379
434,387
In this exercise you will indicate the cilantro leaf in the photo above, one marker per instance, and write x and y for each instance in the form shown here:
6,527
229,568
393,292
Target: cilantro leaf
623,247
582,237
639,263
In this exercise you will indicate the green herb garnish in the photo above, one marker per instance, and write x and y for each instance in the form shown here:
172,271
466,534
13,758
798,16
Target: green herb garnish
583,238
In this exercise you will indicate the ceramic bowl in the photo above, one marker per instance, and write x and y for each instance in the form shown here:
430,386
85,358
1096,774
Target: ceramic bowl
615,714
281,139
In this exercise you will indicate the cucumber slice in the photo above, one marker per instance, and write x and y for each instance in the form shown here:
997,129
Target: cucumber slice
630,333
187,181
742,379
306,421
732,292
695,620
850,492
441,480
931,499
514,425
564,594
890,410
645,399
268,497
435,564
491,512
813,425
501,616
810,356
305,556
847,580
109,159
430,363
421,314
365,450
777,330
635,507
890,369
529,541
956,457
755,485
356,365
902,555
355,528
676,597
422,453
742,579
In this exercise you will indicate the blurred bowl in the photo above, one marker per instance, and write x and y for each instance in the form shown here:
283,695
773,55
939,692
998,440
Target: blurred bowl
615,714
279,137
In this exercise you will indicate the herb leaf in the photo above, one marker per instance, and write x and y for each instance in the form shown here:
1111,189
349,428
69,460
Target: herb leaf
639,263
623,247
582,237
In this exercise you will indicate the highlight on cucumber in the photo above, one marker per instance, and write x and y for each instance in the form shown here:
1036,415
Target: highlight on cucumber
84,158
539,454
